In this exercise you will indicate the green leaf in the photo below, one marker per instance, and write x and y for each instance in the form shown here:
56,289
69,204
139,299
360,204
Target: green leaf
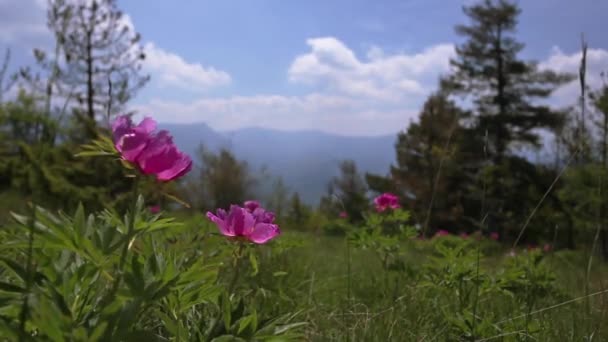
176,199
253,260
226,310
19,270
280,274
227,338
249,320
284,328
79,222
144,335
98,331
92,154
11,288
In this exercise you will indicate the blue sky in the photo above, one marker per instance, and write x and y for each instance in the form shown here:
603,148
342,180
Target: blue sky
349,67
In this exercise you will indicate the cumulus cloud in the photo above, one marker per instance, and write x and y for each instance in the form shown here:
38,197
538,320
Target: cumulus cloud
333,66
597,62
375,94
173,71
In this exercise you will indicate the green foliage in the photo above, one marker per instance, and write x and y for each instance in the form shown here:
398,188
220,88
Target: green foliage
384,234
433,168
219,181
106,276
346,193
502,86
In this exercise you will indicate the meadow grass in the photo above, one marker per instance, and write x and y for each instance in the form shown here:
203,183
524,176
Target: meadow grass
324,288
410,308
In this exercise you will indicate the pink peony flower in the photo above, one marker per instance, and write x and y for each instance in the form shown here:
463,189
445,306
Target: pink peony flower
494,236
153,153
343,214
256,227
386,201
155,209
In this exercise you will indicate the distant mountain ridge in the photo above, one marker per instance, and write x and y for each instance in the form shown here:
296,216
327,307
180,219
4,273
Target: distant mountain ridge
306,160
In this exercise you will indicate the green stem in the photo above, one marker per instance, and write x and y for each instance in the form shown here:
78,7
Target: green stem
29,277
130,230
125,249
236,263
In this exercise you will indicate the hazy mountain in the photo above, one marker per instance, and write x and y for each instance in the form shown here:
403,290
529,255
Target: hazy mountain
306,160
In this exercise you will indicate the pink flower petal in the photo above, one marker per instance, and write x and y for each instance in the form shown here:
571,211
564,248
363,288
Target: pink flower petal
263,216
251,206
180,166
147,125
385,201
241,221
264,232
219,221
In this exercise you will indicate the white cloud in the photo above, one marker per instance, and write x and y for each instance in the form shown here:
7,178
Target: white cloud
23,23
378,94
173,71
333,66
328,113
597,62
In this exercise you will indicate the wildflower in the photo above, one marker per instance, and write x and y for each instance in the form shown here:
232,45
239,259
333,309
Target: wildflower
251,205
494,236
153,153
343,214
263,216
547,248
155,209
256,226
464,235
511,253
385,201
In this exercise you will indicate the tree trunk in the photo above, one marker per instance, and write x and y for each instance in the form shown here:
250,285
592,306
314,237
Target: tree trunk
500,99
90,90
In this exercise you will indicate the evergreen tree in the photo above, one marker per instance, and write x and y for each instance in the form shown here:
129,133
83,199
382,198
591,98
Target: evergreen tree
278,198
349,192
223,179
432,169
503,88
298,213
599,100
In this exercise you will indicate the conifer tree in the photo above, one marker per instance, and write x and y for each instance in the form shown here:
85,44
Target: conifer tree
432,169
504,88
